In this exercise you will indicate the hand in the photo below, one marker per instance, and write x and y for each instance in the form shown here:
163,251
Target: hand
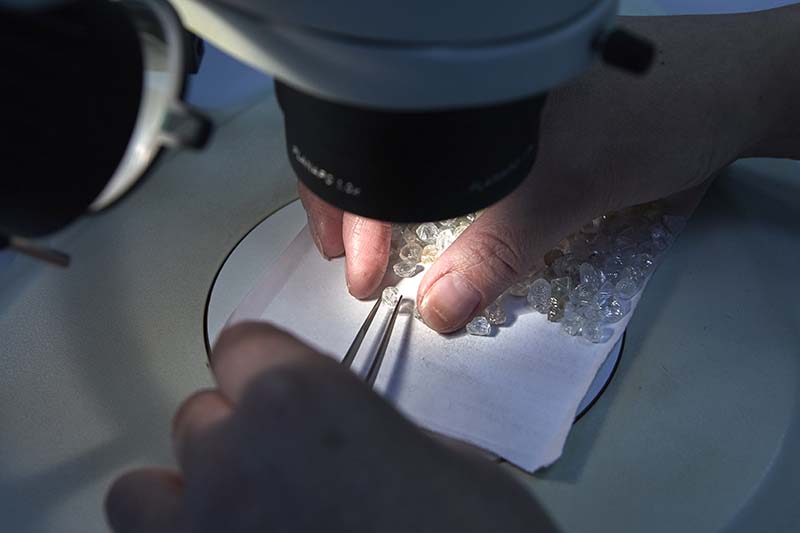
291,441
608,141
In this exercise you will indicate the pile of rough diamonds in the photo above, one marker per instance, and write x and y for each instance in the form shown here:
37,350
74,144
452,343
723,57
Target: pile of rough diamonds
586,283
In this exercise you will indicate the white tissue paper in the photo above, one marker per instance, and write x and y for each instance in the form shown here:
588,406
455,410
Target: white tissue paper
514,394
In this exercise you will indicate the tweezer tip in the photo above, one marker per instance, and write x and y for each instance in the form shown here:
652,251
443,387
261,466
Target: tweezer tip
377,360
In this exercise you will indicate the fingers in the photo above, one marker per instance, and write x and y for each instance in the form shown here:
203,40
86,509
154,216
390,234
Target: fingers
484,261
365,241
192,425
498,248
145,501
247,351
324,222
366,244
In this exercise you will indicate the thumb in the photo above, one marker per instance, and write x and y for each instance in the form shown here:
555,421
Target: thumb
498,249
484,261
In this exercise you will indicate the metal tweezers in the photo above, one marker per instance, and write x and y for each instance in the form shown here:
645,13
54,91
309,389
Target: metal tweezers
377,361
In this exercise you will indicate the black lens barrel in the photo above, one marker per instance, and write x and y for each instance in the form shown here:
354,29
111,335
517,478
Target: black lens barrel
409,166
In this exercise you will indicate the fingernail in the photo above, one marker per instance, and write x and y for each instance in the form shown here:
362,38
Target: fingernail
449,303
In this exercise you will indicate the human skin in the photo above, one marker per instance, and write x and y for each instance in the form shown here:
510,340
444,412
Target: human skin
722,87
291,441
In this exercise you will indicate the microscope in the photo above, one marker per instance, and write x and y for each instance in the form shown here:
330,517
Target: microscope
400,111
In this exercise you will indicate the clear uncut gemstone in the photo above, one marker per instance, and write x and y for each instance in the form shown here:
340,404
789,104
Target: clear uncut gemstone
573,272
600,244
658,232
628,256
427,232
405,269
390,296
520,288
555,311
605,292
397,233
539,295
615,310
572,322
561,266
444,239
579,246
626,288
429,254
632,273
479,326
647,248
591,312
585,293
597,260
644,262
409,235
560,288
410,252
623,242
495,314
612,276
459,228
595,333
589,274
660,237
613,263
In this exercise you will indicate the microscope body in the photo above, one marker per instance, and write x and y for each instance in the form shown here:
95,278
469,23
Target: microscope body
400,111
416,110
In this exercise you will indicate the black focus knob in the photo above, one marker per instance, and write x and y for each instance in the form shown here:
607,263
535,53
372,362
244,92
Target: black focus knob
626,50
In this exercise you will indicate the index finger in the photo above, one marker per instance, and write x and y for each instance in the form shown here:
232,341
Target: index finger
366,244
324,222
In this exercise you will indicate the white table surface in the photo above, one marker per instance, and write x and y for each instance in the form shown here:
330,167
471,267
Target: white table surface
699,429
699,424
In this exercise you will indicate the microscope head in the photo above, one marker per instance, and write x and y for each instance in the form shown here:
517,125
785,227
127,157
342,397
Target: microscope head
417,110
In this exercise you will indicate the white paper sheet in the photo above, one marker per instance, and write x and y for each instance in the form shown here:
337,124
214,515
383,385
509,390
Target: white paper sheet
514,394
